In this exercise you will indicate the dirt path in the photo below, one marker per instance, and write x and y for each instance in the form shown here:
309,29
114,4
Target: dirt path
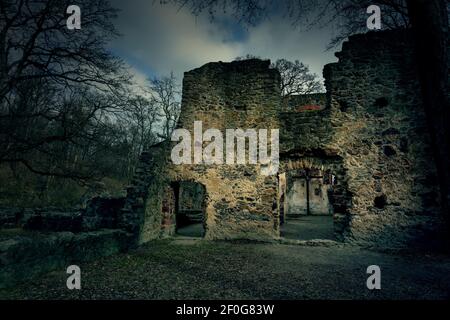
185,269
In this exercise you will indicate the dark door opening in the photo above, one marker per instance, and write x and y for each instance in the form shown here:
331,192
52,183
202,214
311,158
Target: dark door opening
190,213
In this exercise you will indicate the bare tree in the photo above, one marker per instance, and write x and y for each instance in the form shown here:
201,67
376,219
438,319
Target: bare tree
57,86
68,110
296,78
246,57
139,127
430,22
35,43
166,97
144,115
349,16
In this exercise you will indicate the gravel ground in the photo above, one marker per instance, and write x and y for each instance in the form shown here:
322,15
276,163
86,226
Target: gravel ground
197,269
308,228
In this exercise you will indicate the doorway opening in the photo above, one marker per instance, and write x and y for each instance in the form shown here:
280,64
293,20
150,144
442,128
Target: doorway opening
190,209
306,211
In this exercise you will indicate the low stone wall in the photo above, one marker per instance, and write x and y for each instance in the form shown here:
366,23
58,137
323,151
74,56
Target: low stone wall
38,240
100,213
24,255
41,219
11,217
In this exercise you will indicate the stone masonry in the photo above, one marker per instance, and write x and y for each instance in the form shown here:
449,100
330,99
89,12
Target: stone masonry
368,133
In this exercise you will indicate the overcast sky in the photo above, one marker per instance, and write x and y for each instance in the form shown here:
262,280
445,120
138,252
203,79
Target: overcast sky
157,39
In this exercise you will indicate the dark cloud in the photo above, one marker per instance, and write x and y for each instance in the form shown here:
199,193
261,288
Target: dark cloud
158,39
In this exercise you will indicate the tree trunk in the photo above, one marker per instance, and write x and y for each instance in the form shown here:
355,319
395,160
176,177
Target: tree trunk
429,20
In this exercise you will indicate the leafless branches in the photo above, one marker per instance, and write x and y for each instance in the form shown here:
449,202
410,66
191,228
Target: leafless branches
58,87
296,78
166,97
347,16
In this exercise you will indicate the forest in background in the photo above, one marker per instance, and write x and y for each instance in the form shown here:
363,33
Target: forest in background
73,120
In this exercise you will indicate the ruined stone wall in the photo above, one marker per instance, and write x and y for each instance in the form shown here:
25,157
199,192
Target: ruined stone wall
306,139
303,102
142,211
24,255
99,213
240,201
34,241
306,132
371,136
380,133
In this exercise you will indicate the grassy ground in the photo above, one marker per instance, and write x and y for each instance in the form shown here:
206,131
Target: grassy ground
196,269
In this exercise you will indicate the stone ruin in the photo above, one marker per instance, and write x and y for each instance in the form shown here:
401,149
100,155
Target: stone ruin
359,154
362,149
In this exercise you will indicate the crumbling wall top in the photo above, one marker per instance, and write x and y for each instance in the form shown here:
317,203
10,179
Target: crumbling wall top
248,65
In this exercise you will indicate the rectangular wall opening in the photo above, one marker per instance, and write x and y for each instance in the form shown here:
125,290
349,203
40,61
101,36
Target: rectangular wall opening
190,211
306,212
